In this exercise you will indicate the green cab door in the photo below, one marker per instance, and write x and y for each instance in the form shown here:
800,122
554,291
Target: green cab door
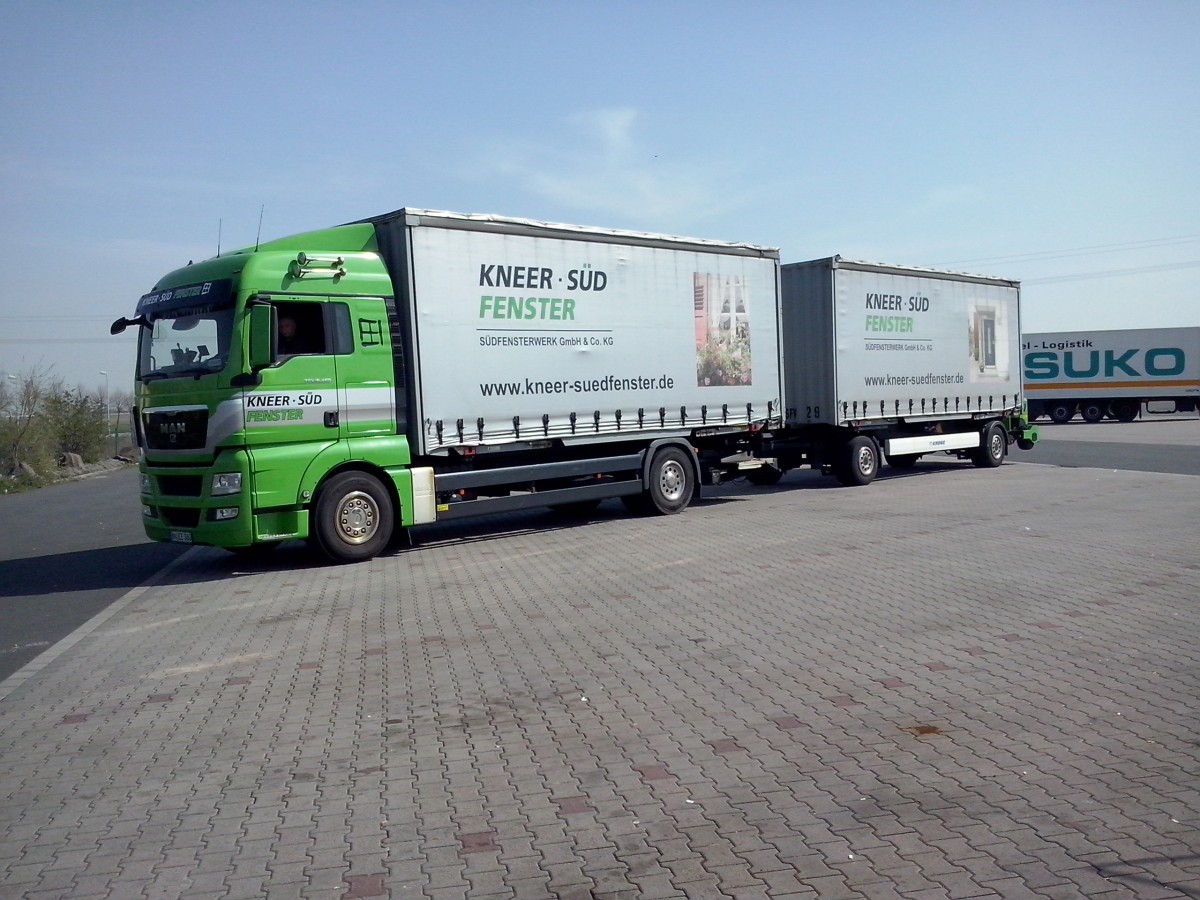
294,415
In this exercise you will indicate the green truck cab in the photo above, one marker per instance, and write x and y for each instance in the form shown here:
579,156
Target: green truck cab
248,441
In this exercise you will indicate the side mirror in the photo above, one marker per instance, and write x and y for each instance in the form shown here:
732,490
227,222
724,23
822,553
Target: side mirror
263,328
122,323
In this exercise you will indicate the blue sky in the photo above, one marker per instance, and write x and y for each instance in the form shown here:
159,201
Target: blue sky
1052,142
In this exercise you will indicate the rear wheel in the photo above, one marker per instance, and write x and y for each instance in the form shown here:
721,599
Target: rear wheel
1093,410
672,484
353,517
1126,410
1061,413
671,481
903,461
859,463
993,449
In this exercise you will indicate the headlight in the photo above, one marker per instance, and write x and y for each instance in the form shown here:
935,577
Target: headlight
225,513
145,483
226,483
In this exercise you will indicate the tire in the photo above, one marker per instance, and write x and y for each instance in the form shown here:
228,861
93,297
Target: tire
859,462
993,449
764,476
1093,410
903,461
1061,412
354,517
672,482
1125,410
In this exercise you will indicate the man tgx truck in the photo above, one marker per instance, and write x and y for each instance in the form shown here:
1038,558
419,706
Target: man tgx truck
440,365
894,362
451,365
1111,373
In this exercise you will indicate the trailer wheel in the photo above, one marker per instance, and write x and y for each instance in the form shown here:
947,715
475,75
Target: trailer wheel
1125,410
353,517
1061,412
903,461
993,449
671,484
859,462
1092,410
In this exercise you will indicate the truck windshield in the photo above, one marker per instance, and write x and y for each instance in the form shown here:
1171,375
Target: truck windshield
186,330
188,343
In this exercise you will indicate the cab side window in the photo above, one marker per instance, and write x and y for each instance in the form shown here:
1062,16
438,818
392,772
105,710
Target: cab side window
301,329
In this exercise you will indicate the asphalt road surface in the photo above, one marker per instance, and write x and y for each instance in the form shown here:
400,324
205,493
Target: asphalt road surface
71,550
1168,444
68,552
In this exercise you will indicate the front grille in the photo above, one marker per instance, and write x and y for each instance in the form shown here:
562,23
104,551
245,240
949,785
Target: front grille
180,485
176,430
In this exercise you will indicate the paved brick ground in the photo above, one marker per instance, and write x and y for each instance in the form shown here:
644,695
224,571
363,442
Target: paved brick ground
949,684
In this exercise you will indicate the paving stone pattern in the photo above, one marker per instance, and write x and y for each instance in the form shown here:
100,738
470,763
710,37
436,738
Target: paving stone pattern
949,684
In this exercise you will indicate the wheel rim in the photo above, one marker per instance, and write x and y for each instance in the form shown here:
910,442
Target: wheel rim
358,517
671,481
997,445
866,460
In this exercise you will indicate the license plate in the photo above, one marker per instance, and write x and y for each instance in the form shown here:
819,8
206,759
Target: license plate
181,537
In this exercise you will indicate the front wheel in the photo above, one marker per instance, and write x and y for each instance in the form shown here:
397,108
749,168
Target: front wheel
353,517
859,462
994,448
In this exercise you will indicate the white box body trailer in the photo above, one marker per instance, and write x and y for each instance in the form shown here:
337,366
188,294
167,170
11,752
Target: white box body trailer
897,360
557,365
1110,373
524,331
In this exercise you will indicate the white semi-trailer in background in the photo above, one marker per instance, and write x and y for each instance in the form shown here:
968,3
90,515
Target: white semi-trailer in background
1110,374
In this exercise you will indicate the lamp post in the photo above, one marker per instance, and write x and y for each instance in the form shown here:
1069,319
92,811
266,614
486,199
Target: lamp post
107,415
